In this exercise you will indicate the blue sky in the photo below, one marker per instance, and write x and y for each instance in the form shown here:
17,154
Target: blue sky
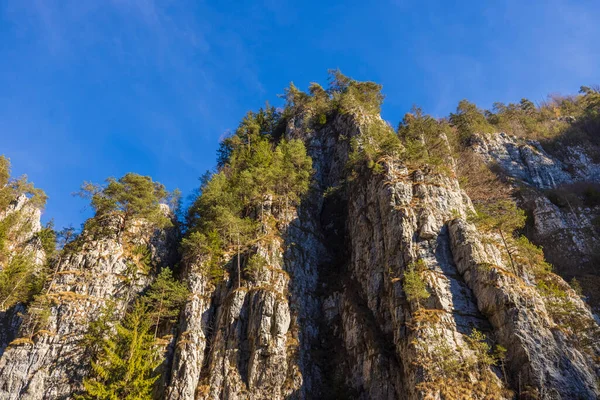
91,89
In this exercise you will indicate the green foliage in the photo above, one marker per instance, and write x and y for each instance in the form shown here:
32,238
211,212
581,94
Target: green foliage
7,226
141,257
255,264
459,372
165,298
504,218
503,215
483,356
369,149
531,256
37,316
129,197
469,119
12,225
210,247
20,281
343,96
414,285
12,188
349,95
229,213
576,286
98,329
548,288
126,366
48,237
522,119
264,124
424,139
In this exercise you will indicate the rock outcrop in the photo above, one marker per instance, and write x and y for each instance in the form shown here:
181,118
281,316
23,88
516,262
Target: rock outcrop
50,363
319,305
560,192
330,319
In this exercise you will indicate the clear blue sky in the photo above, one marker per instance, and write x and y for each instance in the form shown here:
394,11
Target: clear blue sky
97,88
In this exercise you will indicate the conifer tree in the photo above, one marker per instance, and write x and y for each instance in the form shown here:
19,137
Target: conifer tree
19,281
12,188
414,285
469,119
129,197
165,298
126,367
504,217
292,169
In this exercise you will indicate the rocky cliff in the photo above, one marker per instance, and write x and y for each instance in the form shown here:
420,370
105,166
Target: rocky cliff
50,359
560,193
381,282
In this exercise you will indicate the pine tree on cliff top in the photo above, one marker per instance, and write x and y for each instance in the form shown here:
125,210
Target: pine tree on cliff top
131,196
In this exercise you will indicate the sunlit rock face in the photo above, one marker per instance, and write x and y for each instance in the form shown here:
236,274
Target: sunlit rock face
53,363
328,316
330,319
565,221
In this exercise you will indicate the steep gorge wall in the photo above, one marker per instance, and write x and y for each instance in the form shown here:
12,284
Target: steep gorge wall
328,315
352,333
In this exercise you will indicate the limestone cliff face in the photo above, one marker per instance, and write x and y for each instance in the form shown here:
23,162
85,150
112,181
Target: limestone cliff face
326,316
329,317
50,363
563,221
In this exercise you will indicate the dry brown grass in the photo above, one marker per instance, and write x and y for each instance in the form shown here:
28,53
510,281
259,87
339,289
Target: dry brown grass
21,341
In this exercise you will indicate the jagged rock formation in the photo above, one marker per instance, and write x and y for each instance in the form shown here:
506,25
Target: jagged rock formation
327,314
567,226
358,337
50,363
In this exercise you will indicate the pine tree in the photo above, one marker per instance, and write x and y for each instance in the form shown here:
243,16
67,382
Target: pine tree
504,217
165,298
131,196
291,171
126,367
19,281
469,119
12,188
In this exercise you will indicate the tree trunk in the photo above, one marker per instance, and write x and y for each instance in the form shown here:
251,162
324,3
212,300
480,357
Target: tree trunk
54,275
162,295
512,264
13,291
239,273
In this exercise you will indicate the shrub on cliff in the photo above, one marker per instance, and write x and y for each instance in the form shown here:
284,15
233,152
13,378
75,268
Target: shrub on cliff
424,139
469,119
128,198
12,188
414,285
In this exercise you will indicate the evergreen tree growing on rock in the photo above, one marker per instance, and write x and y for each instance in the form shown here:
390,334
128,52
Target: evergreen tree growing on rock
129,197
125,368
